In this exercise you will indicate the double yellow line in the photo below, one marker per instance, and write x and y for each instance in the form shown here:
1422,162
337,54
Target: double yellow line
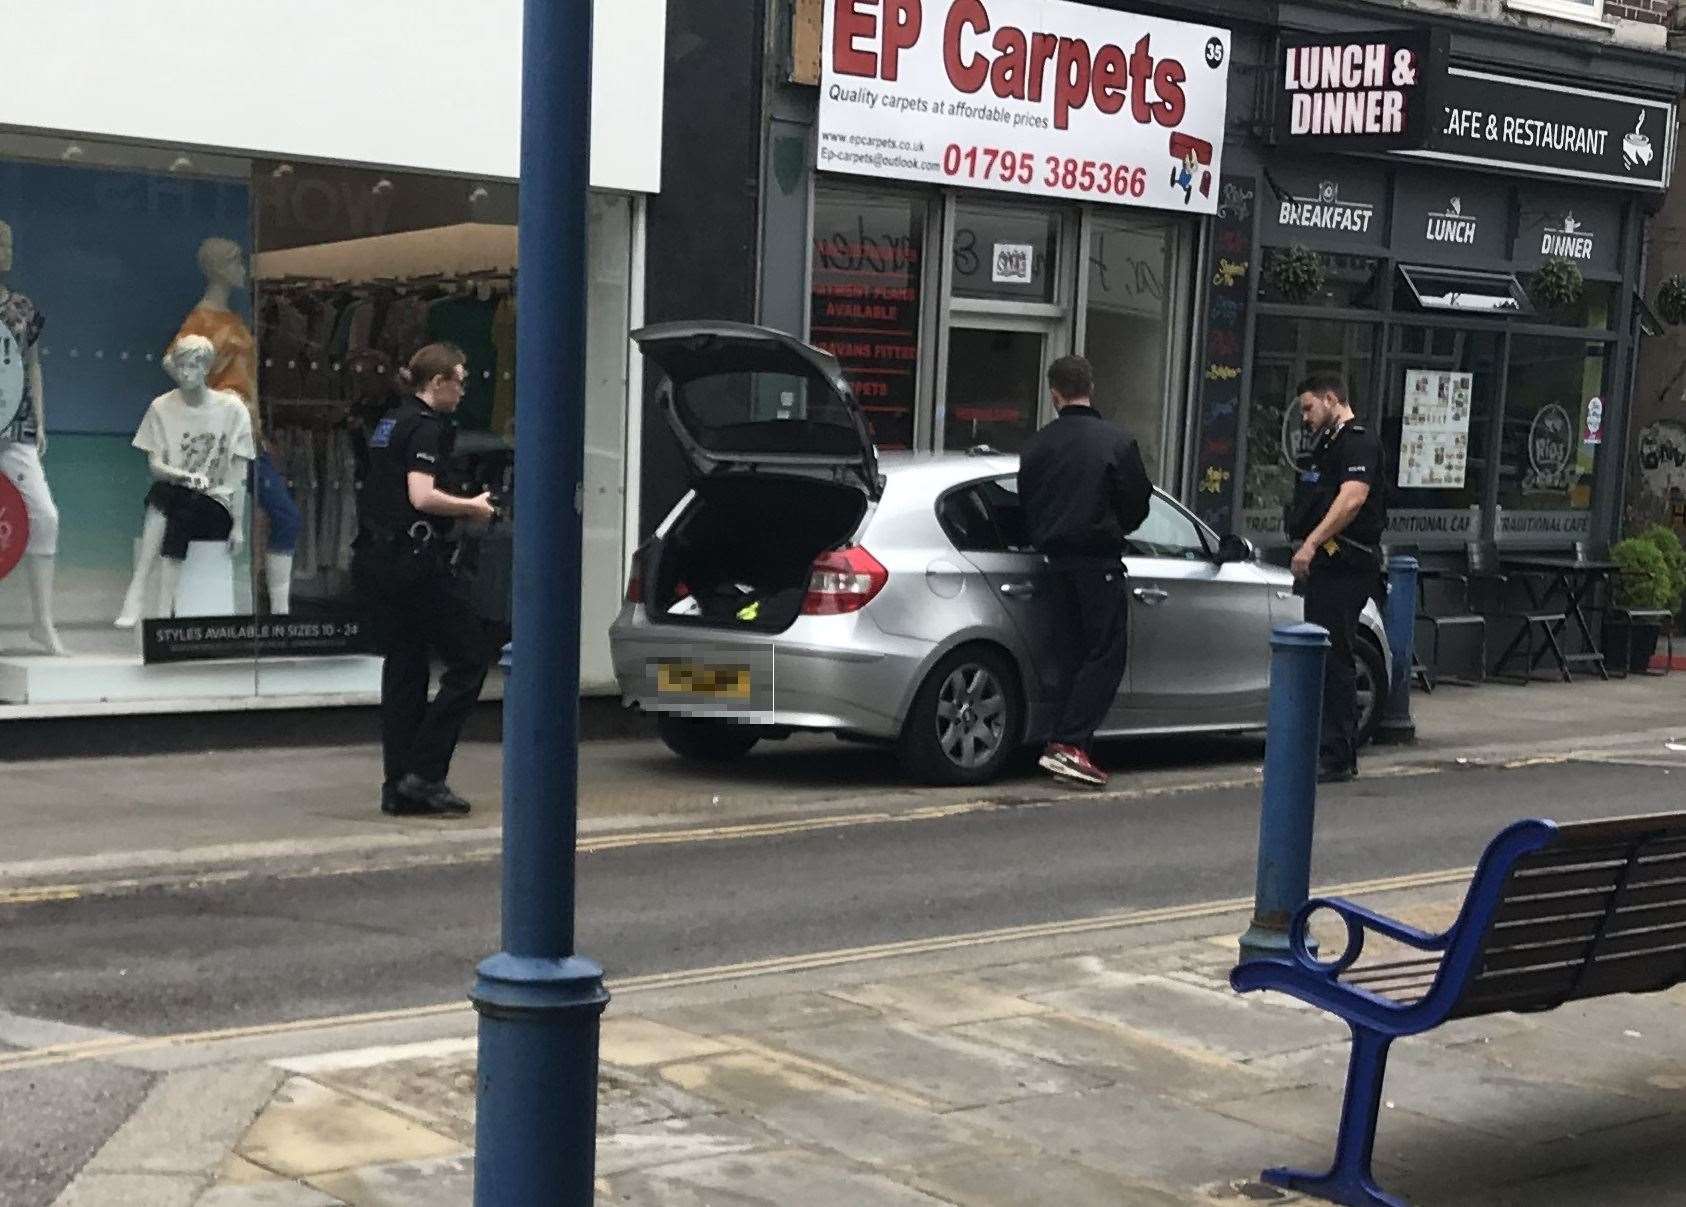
119,1047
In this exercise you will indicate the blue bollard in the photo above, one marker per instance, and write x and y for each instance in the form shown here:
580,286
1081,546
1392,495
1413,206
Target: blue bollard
1396,724
1297,655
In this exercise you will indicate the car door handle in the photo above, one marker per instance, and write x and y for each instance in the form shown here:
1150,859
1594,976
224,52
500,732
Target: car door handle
1018,590
1151,596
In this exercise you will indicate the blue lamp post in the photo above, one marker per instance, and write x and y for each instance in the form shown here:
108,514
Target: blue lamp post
540,1003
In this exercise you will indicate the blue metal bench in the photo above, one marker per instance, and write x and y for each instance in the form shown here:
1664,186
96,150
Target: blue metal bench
1553,914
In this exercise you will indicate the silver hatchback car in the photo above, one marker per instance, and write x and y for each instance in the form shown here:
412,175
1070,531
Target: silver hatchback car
804,584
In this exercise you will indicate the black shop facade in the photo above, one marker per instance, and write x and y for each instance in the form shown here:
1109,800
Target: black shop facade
1459,232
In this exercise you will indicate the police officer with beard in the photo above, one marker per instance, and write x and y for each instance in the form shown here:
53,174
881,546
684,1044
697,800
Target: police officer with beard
401,573
1336,519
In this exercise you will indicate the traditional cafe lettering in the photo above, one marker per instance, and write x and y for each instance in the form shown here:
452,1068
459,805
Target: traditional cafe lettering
1357,89
1327,212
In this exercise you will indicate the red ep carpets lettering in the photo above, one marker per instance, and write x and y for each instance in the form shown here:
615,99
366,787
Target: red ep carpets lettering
1018,65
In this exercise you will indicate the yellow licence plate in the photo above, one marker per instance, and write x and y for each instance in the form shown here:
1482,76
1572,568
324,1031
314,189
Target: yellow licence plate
689,678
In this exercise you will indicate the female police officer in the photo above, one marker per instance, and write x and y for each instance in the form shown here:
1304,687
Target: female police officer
400,571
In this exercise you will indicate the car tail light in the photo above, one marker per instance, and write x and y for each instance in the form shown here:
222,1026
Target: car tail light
844,580
635,578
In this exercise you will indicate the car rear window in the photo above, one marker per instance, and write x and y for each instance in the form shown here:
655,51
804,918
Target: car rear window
767,412
985,517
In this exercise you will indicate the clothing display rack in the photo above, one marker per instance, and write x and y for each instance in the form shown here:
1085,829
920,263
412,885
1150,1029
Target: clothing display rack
330,351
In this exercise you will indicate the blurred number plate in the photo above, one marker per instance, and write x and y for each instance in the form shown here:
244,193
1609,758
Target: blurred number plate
690,678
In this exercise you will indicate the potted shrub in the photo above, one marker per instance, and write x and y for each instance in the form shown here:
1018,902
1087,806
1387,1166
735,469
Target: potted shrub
1644,580
1667,541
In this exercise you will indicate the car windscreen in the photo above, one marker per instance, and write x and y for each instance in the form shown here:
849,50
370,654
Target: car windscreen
767,412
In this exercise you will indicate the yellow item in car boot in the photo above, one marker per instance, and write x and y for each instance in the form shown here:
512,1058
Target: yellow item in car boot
750,613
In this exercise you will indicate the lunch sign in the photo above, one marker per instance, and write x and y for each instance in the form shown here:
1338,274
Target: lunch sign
1035,97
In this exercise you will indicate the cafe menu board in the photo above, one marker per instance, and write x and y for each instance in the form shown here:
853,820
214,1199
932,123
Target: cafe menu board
1223,351
864,305
1434,439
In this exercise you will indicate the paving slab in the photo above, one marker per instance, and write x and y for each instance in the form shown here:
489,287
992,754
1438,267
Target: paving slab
1114,1054
947,1069
773,1179
131,1190
1136,1134
311,1129
820,1113
267,1194
1200,1016
625,1101
943,1001
439,1182
990,1177
435,1091
635,1042
763,1014
672,1141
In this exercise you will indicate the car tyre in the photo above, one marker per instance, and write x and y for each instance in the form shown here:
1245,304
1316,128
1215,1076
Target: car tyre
705,739
966,719
1371,669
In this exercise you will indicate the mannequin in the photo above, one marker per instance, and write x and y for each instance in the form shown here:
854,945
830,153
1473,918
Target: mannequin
235,371
23,443
198,443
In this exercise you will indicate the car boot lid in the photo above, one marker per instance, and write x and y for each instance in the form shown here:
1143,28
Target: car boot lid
742,399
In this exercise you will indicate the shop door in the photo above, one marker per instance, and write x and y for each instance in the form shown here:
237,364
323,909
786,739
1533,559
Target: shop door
993,389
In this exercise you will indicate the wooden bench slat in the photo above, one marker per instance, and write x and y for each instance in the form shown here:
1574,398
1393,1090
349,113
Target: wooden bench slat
1543,988
1594,876
1618,829
1654,941
1582,925
1589,901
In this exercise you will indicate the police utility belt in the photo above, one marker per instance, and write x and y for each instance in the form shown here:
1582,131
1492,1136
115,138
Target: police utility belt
421,545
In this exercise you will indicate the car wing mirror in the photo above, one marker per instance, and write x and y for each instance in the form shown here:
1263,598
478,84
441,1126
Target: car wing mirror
1233,548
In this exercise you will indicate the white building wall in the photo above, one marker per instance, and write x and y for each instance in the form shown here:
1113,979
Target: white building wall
432,85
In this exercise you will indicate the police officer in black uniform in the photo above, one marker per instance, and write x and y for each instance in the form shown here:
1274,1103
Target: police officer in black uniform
1336,519
400,568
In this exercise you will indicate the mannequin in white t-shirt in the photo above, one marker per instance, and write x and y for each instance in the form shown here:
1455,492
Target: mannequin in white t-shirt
23,443
197,439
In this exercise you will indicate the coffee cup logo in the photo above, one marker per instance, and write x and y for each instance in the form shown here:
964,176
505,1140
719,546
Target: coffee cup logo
1636,147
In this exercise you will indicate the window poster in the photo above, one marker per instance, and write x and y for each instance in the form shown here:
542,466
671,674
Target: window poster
1434,441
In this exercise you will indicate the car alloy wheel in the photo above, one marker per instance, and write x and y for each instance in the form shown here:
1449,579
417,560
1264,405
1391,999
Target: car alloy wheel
971,716
1370,673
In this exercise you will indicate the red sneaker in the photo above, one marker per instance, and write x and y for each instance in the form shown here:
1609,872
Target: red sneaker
1070,763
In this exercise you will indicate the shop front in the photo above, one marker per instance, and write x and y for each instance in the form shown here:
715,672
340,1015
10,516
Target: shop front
1003,185
177,539
1463,245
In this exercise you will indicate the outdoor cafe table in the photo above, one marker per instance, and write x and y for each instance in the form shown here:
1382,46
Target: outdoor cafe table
1570,578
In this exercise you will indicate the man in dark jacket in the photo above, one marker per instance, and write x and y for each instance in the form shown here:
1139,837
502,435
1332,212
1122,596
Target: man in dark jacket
1085,491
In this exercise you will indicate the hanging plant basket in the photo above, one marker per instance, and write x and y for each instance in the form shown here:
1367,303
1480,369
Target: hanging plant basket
1298,273
1557,285
1671,300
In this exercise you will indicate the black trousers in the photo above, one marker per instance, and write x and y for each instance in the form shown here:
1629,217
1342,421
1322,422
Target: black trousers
188,516
417,618
1334,599
1091,600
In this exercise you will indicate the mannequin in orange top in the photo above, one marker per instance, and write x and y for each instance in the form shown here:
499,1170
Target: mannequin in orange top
235,370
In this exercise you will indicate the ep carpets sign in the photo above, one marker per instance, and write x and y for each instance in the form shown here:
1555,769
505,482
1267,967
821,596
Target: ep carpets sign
1036,97
1360,92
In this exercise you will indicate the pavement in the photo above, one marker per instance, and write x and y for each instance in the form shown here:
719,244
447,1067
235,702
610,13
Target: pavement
1091,1059
1099,1064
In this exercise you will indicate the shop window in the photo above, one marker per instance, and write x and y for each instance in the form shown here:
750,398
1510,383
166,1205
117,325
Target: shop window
1287,351
868,266
1349,282
1546,464
995,387
1450,290
1593,310
1006,253
1441,393
1136,327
